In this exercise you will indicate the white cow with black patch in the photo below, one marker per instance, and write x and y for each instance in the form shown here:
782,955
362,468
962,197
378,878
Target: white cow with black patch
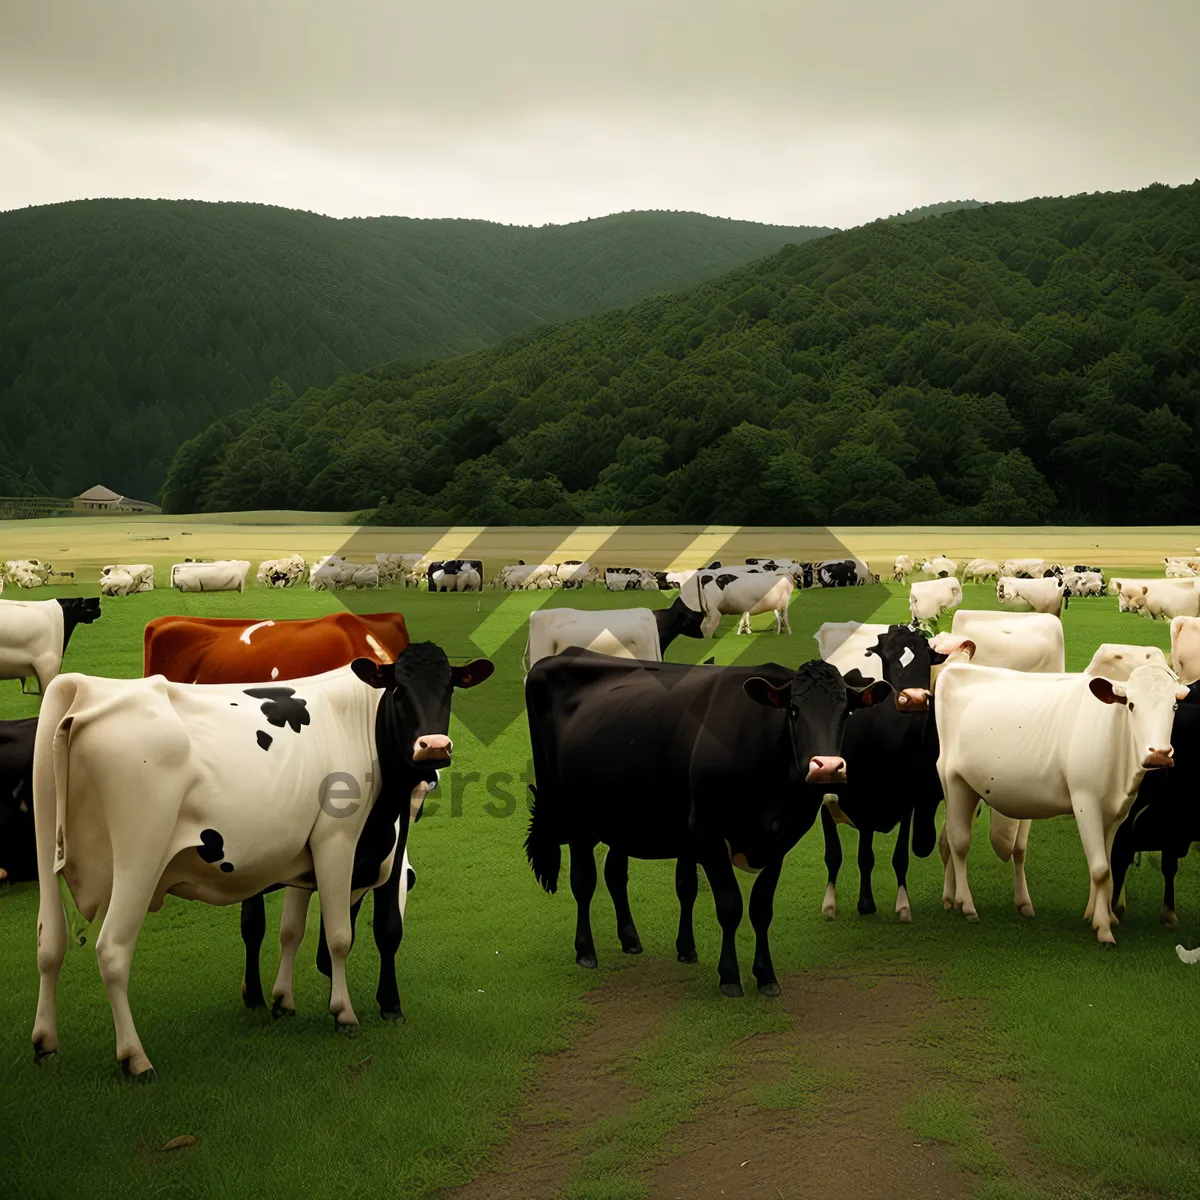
125,579
725,593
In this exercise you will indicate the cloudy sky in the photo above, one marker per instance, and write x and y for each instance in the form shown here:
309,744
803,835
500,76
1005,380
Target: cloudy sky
533,111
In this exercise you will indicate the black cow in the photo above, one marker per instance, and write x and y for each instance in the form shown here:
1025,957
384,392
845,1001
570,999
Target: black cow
891,755
18,853
1164,816
805,574
675,621
840,572
418,688
654,760
452,566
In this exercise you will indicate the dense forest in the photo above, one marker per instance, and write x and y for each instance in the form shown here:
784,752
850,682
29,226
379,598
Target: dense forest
127,326
1002,365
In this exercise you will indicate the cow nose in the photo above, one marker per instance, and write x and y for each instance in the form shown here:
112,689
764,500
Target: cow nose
432,745
913,699
1160,759
826,769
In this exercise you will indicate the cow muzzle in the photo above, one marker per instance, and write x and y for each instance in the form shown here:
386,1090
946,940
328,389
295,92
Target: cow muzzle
1160,759
911,700
826,769
433,747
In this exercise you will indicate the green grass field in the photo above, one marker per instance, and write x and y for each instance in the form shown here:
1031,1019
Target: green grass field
1088,1056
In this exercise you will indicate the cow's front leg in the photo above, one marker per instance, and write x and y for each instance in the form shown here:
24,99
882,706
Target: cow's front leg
743,625
900,867
1092,835
1170,865
583,887
686,887
727,897
254,929
291,934
387,924
762,909
948,869
616,879
960,812
333,861
866,865
1021,896
323,963
833,863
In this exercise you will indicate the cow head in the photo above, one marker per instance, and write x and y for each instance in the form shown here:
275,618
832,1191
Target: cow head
413,719
1150,696
688,622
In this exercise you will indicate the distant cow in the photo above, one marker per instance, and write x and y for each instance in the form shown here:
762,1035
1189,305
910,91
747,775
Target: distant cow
124,579
1160,599
842,572
1083,583
1038,595
629,579
34,635
18,853
445,576
722,593
226,575
282,572
27,572
979,570
1181,568
929,598
1023,568
574,574
940,567
902,568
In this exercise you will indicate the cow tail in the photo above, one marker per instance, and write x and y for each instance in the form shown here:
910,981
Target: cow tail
543,843
50,795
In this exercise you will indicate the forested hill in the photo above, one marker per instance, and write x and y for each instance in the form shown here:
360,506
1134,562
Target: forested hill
127,326
1002,364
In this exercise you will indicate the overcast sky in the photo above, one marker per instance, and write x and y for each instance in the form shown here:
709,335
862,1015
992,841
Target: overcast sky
533,111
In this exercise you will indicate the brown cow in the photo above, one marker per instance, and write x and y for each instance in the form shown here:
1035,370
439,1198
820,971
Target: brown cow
233,650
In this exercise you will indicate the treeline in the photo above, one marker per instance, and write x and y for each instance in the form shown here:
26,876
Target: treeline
1006,364
128,326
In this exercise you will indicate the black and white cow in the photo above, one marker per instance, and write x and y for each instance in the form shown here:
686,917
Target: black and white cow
18,856
631,579
34,635
445,576
842,572
217,792
691,737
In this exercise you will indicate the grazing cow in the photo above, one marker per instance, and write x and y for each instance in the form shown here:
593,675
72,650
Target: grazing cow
1118,660
574,574
940,567
398,566
1083,583
226,575
1038,595
1185,648
902,568
18,853
980,570
144,788
1036,746
1023,568
842,572
891,754
282,572
27,572
528,576
1160,599
34,635
746,596
929,598
629,579
444,576
1182,568
691,736
124,579
1017,641
1164,817
641,633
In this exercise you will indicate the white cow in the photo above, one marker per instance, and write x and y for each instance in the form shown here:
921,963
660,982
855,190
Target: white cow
1023,568
1083,583
1018,641
282,572
576,574
1160,598
27,572
123,579
746,595
939,567
528,576
144,788
980,570
628,579
1182,568
225,575
902,568
34,635
1185,648
1038,595
1034,746
398,566
1118,660
929,598
619,632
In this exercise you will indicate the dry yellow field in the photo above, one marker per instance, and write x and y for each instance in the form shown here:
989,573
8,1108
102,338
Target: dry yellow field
85,544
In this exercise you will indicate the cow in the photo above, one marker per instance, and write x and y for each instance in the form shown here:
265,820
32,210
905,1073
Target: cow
1023,568
1083,583
144,788
902,568
528,576
1116,661
1034,746
1182,568
282,572
574,574
745,596
691,736
1018,641
980,570
28,572
676,580
1038,595
1160,599
629,579
939,567
444,576
18,854
1185,648
397,566
34,635
929,598
124,579
843,572
226,575
891,754
641,633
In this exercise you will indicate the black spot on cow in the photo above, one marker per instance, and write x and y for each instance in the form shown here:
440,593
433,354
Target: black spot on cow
212,846
281,706
723,581
233,704
264,739
412,879
227,867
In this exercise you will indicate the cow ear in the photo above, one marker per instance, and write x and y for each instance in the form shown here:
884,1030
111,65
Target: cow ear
857,680
763,692
372,673
873,693
1103,689
473,673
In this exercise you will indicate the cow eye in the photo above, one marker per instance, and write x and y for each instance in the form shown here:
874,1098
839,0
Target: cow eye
793,712
1174,707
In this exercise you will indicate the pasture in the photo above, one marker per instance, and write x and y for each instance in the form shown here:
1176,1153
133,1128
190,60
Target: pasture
1011,1059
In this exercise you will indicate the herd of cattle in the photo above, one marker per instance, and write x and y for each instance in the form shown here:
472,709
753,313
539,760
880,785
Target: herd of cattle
260,754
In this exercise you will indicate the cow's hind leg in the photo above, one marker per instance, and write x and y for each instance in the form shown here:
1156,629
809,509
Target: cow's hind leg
333,863
1170,865
900,866
583,887
291,934
762,909
324,965
727,897
387,924
833,863
866,865
686,888
616,879
254,929
961,801
51,950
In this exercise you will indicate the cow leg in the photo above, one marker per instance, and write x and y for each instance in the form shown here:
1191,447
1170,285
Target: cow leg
960,812
616,879
762,909
51,950
1170,864
387,923
727,897
866,865
686,889
583,886
782,617
324,965
254,929
1021,896
743,625
900,866
127,909
291,934
1120,860
1093,836
333,862
833,863
948,865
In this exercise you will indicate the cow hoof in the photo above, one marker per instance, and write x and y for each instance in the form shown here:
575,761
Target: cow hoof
279,1009
866,910
586,960
392,1014
972,917
947,903
732,990
40,1056
830,914
689,956
254,1001
1026,910
905,915
1168,918
146,1076
350,1031
1108,943
635,948
769,989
